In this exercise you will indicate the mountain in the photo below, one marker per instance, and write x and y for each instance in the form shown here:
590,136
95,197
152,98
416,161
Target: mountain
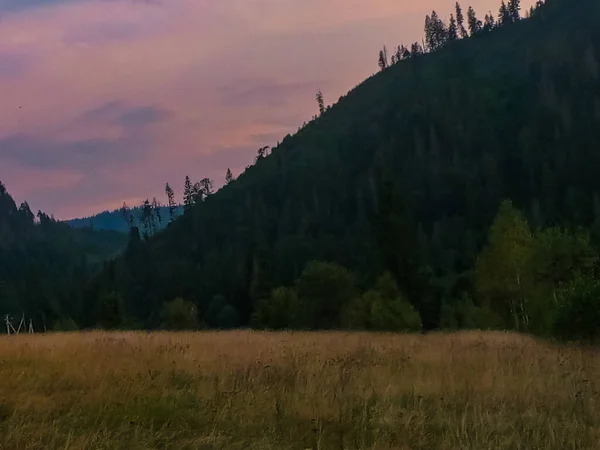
403,175
115,221
45,264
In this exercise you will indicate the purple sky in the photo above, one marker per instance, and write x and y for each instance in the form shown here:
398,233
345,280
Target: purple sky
103,101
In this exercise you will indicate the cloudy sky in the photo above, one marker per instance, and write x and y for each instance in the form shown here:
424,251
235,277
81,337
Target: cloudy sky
103,101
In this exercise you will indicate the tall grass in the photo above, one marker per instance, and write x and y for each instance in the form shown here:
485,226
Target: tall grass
245,390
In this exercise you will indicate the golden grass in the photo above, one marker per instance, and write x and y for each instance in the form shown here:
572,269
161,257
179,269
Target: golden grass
246,390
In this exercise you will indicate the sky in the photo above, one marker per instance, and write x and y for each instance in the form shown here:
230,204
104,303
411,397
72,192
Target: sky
103,101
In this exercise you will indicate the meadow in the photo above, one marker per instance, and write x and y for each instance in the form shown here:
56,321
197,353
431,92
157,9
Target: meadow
250,390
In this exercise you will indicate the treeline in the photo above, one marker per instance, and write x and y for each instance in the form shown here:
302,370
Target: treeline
544,281
45,265
438,34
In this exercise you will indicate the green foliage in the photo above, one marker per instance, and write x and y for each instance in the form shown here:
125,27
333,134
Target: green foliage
179,314
46,266
324,289
65,324
382,309
579,311
501,267
276,311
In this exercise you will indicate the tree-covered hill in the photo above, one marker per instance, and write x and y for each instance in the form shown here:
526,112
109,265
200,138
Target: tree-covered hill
403,175
45,264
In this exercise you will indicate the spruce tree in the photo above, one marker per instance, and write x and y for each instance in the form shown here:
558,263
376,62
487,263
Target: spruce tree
514,10
320,102
170,200
188,194
452,29
460,21
228,176
474,24
504,17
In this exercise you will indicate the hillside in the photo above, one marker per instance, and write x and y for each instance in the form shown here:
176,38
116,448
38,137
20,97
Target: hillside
45,265
114,220
404,174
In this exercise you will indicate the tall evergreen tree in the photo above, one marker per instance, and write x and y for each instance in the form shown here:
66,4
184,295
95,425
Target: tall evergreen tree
383,58
188,194
504,17
416,49
514,10
460,20
170,201
228,176
320,102
452,29
475,25
490,23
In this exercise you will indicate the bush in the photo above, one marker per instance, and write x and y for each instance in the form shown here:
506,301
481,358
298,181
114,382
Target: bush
65,324
275,311
578,316
221,314
324,290
179,315
471,317
382,309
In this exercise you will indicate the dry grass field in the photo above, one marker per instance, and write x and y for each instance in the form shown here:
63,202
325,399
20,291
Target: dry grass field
246,390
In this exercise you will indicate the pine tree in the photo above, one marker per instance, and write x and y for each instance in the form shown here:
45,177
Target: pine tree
228,176
127,215
320,102
452,29
429,35
262,152
207,187
475,25
146,219
440,30
514,10
504,17
156,212
383,58
460,21
170,200
436,33
188,194
490,22
416,49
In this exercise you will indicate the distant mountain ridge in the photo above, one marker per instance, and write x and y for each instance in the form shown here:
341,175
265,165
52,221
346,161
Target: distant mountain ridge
115,221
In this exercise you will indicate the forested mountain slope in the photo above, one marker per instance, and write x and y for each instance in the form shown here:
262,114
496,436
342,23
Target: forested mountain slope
404,174
45,265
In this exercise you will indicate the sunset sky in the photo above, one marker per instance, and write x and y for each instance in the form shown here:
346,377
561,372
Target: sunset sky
103,101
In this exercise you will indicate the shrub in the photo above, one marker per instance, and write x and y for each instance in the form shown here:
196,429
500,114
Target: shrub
579,311
324,290
65,324
275,311
179,314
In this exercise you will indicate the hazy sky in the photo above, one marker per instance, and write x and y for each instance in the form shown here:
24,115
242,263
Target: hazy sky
103,101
